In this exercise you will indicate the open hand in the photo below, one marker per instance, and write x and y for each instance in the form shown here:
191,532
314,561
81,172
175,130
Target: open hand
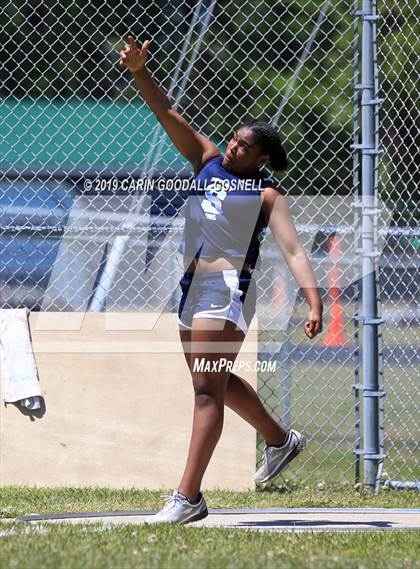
132,57
313,325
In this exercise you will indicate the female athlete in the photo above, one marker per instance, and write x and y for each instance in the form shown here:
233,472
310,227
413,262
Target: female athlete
220,248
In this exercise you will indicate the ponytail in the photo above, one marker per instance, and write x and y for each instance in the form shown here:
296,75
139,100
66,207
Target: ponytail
278,157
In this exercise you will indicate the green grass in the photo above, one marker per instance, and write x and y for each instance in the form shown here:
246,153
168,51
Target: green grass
68,546
17,501
97,546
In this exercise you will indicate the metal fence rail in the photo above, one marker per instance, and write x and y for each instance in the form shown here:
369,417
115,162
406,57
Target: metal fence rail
77,232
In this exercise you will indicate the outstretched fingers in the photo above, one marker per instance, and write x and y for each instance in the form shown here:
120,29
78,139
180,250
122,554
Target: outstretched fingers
132,56
127,49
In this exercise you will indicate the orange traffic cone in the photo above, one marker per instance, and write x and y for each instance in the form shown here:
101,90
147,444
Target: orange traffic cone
336,334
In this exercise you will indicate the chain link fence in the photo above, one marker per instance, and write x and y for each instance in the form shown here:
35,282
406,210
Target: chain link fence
398,31
78,231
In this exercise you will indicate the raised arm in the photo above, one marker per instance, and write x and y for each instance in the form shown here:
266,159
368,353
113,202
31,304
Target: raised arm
196,148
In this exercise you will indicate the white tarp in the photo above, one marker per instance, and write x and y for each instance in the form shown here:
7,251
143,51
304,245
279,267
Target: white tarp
18,366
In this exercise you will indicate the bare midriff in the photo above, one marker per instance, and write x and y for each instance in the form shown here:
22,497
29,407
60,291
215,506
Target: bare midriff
213,265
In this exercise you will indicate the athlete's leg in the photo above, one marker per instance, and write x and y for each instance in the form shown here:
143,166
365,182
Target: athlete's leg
208,341
242,398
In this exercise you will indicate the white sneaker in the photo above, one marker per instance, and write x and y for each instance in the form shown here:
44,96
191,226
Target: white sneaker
178,510
276,458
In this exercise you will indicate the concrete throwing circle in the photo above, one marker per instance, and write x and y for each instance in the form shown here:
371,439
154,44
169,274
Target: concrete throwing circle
267,519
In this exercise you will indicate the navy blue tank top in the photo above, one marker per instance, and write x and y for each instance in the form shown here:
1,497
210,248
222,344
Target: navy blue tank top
223,216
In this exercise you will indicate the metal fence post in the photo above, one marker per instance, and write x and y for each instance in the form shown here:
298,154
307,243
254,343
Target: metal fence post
372,456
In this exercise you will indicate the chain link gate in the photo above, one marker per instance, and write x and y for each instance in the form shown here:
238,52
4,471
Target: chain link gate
74,238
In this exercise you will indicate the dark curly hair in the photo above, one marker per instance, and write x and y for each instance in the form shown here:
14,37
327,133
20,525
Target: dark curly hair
269,140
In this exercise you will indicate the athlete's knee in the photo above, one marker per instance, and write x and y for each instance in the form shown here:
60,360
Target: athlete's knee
208,389
206,400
